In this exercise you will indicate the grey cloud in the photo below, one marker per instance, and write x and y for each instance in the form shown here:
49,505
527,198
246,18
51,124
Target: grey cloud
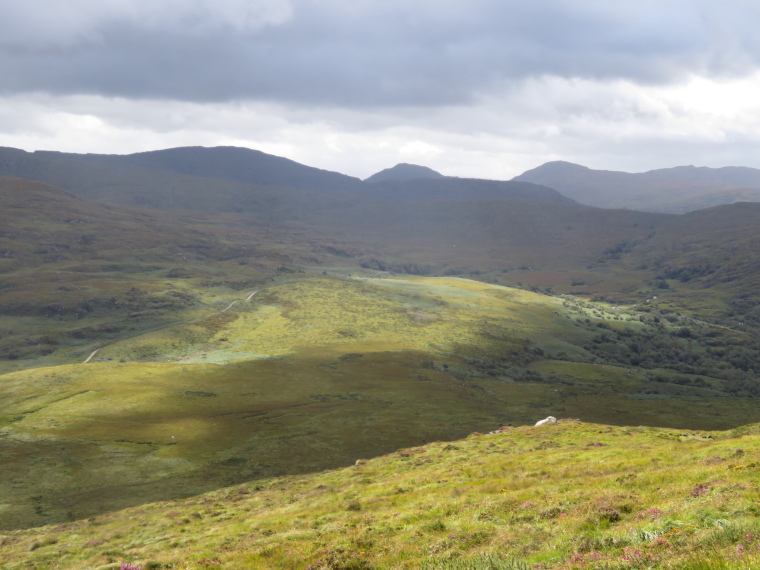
361,53
49,25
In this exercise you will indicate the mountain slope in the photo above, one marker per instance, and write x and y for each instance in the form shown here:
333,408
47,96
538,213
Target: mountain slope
338,368
676,190
242,165
74,272
569,495
464,190
236,179
44,224
705,260
243,339
228,179
168,180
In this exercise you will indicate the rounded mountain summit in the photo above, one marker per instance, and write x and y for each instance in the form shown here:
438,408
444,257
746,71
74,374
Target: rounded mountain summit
404,171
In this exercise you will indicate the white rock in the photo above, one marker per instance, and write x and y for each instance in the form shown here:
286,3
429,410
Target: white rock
549,420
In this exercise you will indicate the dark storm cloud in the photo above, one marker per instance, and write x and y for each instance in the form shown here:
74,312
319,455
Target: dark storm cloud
361,52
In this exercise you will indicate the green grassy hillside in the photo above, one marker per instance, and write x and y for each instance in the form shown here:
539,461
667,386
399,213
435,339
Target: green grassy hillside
75,273
337,368
564,496
152,356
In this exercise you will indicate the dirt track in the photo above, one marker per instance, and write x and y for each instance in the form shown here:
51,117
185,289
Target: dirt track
227,308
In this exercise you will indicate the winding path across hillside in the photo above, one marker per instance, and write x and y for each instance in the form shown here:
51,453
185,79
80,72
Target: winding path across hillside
227,308
94,352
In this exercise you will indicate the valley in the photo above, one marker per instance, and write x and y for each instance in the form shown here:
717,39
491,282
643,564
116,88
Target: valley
340,367
154,355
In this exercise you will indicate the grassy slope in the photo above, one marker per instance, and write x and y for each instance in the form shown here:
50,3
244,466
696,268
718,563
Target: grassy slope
572,495
336,368
512,242
74,273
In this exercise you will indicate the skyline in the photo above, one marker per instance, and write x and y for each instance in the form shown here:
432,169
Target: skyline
481,89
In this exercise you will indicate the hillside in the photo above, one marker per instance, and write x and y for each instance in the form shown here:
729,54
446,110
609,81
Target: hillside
64,256
674,190
43,224
237,180
173,353
570,495
73,271
239,164
463,190
231,179
339,368
79,171
703,261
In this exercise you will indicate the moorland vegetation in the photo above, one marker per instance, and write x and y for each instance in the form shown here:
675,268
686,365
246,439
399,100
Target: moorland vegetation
571,495
254,351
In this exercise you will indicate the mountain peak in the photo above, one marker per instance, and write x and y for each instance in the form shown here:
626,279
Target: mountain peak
552,168
404,171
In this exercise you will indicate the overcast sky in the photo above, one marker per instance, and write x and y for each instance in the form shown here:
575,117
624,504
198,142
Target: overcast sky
482,88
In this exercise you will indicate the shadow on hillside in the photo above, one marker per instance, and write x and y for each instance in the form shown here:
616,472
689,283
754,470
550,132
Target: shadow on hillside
199,428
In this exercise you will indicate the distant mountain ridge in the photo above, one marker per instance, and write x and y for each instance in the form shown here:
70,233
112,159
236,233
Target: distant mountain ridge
671,190
227,163
242,165
232,179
